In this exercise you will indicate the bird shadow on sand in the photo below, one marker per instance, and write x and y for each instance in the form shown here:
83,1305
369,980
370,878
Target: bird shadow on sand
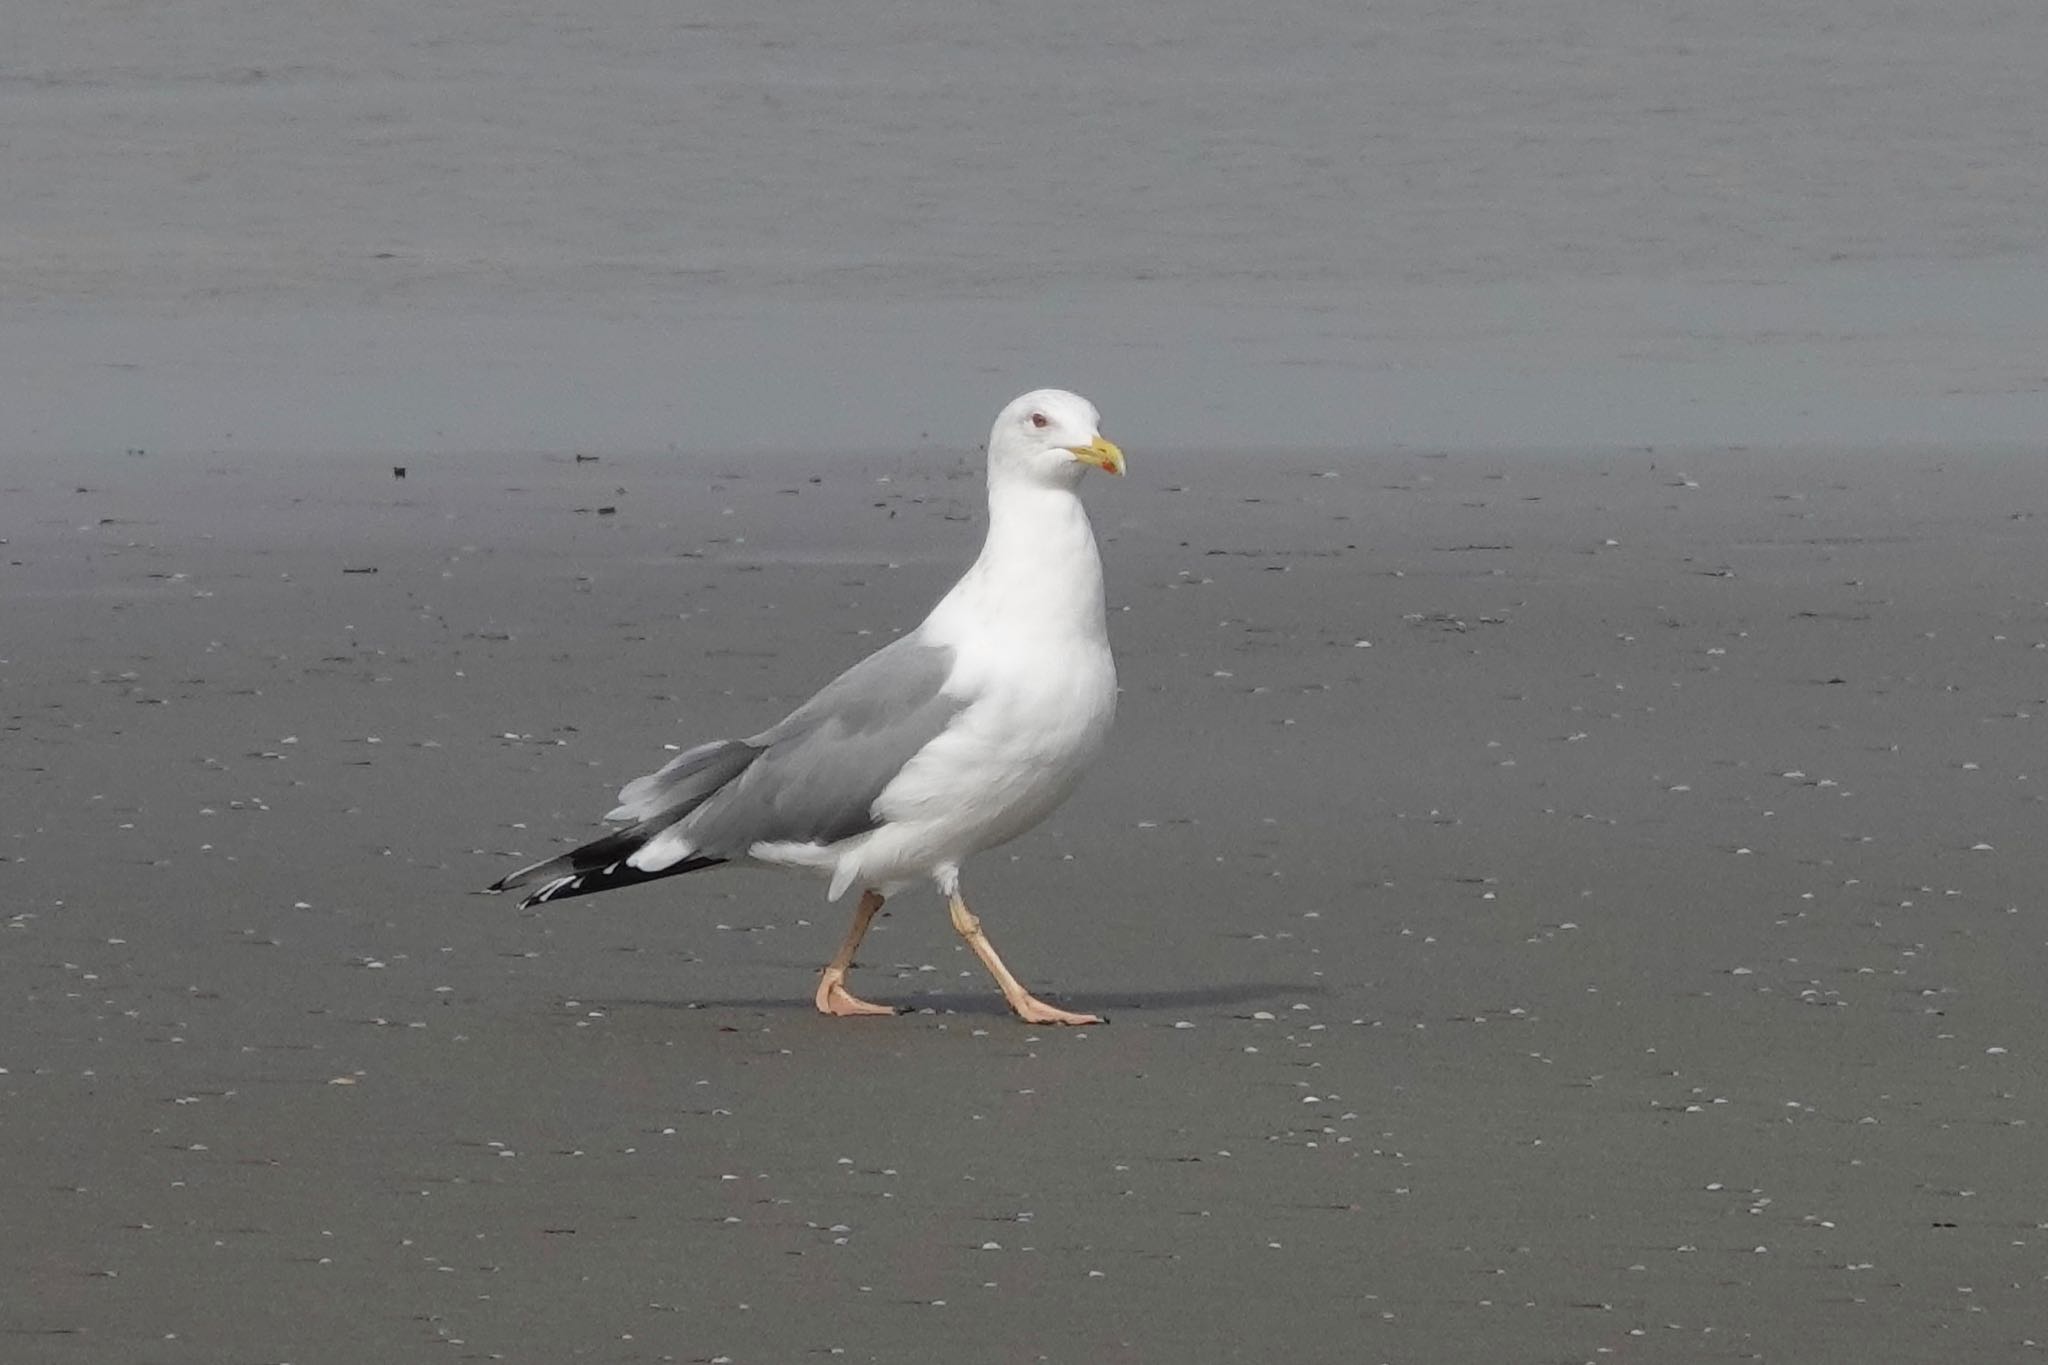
990,1004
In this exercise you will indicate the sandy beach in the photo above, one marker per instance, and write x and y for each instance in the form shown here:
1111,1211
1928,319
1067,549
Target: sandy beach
1566,881
1553,908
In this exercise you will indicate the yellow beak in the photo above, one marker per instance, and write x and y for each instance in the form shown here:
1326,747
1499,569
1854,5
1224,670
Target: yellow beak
1100,452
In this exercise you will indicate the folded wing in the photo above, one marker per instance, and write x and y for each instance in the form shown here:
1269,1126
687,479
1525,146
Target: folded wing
813,778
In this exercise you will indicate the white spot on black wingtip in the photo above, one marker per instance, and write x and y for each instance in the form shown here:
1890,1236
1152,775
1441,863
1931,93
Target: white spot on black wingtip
560,886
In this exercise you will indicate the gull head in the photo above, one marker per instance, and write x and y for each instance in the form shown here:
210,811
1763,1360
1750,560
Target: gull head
1050,436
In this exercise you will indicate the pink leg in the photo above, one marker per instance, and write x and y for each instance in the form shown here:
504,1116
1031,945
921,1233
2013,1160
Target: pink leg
833,997
1029,1007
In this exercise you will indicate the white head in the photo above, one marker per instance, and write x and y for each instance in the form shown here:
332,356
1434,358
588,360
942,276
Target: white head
1050,436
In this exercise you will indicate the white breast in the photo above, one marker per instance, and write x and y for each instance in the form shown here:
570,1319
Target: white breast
1032,668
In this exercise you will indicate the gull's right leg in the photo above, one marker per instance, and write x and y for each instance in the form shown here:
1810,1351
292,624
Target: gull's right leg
833,997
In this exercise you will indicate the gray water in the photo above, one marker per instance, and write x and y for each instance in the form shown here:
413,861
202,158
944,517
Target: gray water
371,226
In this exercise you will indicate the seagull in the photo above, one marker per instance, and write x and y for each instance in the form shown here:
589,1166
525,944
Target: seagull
951,739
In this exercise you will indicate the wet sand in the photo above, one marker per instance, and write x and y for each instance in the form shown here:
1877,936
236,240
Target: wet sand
1551,908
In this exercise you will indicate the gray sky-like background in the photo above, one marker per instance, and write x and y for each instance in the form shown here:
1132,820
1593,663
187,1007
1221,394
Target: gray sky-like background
312,226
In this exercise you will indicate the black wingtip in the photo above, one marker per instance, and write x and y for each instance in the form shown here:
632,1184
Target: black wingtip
504,884
566,884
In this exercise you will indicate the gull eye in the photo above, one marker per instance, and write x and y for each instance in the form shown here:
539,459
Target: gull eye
1038,420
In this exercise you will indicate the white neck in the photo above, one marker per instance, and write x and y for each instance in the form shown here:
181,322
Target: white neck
1039,565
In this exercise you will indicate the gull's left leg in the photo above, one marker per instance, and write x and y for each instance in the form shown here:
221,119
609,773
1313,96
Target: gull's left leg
1029,1007
833,997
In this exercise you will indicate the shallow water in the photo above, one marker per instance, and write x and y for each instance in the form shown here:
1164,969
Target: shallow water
305,227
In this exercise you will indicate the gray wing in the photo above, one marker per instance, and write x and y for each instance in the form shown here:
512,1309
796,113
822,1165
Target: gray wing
661,798
818,772
813,778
